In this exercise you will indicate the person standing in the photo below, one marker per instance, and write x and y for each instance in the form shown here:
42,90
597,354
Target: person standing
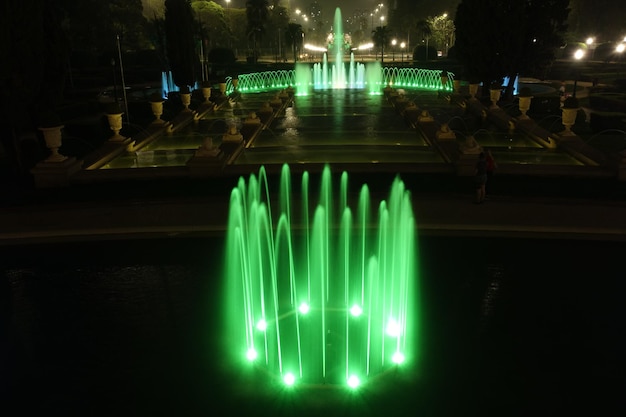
480,178
490,170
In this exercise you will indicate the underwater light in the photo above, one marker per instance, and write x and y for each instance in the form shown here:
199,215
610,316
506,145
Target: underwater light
356,310
393,328
353,381
261,325
289,379
304,308
251,354
397,358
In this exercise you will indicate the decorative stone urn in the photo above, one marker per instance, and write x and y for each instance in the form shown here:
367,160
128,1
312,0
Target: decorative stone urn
235,82
206,91
525,97
252,119
185,98
569,111
445,133
54,138
156,103
494,95
114,116
207,149
232,136
51,128
222,87
473,90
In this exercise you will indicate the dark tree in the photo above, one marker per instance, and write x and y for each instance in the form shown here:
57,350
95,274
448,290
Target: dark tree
180,42
293,37
257,14
380,37
495,39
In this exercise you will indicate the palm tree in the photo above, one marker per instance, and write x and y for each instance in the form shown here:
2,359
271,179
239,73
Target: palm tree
293,37
380,37
425,31
257,14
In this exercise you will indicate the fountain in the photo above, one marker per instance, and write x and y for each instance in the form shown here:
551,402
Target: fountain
335,75
319,293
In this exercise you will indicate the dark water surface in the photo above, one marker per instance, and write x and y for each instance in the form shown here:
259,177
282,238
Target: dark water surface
510,327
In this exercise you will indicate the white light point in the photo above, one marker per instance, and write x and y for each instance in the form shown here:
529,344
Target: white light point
356,310
304,308
353,381
393,328
251,354
397,358
261,325
289,379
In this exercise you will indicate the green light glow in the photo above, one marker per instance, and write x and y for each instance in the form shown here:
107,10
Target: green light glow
356,310
251,354
397,358
289,379
304,308
318,287
354,382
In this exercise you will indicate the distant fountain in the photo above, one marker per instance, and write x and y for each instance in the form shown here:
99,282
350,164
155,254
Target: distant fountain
318,292
335,75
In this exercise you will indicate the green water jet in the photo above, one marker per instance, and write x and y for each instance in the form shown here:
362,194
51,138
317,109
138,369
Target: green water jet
319,293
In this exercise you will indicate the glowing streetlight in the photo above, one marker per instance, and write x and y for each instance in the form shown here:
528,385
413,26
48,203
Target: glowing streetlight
393,49
620,48
402,46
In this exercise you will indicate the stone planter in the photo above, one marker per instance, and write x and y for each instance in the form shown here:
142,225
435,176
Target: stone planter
185,98
568,116
206,93
494,95
157,110
235,83
222,87
115,123
524,105
473,90
54,138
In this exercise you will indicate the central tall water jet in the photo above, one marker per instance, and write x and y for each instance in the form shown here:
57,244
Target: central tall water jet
319,292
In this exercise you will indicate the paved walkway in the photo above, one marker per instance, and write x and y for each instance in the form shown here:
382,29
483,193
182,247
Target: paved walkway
448,212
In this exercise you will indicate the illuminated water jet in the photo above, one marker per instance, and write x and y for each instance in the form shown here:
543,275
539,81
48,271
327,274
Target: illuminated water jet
319,292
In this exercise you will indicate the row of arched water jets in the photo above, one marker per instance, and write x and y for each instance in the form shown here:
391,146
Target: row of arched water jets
397,77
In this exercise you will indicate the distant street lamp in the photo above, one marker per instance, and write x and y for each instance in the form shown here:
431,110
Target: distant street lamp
393,49
402,46
590,44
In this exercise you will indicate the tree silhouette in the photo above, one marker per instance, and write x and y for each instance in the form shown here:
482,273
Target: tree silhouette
380,37
425,31
179,31
293,37
257,14
496,39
